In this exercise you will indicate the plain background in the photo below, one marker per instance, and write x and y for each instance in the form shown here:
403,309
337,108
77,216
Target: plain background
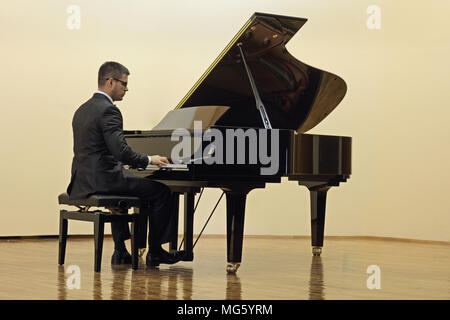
396,108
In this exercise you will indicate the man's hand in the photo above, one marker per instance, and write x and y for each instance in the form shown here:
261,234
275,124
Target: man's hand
158,160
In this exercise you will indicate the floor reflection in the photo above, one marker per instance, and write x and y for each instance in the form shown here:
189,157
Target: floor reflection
152,283
122,283
61,283
97,286
316,284
234,289
172,283
169,282
271,271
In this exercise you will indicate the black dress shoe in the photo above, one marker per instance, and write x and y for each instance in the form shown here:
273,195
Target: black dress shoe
154,259
121,257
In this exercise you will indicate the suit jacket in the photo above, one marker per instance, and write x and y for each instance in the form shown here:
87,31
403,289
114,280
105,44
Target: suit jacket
100,150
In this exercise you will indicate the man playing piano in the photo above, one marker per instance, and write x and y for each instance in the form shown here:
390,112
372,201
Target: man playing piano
100,150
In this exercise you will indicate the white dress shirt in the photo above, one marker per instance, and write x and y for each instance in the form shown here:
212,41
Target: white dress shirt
110,99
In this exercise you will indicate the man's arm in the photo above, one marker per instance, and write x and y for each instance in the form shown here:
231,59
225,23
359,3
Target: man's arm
111,124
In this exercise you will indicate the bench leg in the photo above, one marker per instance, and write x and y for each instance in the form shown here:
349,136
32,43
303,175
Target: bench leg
141,228
99,227
173,246
189,198
62,239
135,243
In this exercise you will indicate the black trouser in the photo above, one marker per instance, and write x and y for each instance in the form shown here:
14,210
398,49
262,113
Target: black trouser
155,208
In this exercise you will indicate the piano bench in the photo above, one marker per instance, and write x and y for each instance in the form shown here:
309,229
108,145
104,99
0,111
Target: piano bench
98,217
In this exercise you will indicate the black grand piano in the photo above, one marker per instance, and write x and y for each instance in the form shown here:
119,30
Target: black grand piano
256,89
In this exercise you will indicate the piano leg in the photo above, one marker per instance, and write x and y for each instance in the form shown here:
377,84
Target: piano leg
189,198
235,228
318,202
175,204
188,193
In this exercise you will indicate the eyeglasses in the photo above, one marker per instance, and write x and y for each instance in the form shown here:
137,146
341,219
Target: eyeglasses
124,83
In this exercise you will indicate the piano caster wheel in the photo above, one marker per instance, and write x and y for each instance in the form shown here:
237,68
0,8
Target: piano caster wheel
141,252
232,267
316,251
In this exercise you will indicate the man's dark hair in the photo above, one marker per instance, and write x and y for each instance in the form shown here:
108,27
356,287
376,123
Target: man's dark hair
111,69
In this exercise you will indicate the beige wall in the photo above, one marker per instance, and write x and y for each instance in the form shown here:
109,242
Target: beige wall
396,109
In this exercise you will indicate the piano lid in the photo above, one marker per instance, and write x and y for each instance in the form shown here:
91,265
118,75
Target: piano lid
185,118
296,96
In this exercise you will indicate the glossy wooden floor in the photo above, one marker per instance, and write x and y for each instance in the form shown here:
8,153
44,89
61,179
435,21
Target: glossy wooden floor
272,268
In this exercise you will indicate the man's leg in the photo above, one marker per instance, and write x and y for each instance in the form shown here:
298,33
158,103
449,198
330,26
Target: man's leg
156,204
120,232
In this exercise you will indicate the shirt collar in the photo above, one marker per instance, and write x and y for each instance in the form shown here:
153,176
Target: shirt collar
105,94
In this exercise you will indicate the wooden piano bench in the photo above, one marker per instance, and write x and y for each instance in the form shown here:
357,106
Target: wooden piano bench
98,217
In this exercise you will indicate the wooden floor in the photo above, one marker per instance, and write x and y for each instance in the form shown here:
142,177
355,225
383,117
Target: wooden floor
272,268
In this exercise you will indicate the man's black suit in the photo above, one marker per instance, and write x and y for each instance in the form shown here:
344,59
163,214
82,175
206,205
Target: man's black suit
100,150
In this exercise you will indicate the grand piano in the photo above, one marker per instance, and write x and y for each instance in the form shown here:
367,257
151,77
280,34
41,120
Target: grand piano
257,89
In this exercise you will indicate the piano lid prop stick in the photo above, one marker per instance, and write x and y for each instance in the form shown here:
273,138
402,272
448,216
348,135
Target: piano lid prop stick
259,103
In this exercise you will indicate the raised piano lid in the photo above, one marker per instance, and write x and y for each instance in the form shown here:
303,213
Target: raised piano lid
186,117
296,96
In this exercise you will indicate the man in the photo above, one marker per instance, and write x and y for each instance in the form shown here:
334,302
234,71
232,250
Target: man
100,150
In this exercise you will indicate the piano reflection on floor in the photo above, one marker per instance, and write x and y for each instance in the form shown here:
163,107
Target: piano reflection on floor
174,283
